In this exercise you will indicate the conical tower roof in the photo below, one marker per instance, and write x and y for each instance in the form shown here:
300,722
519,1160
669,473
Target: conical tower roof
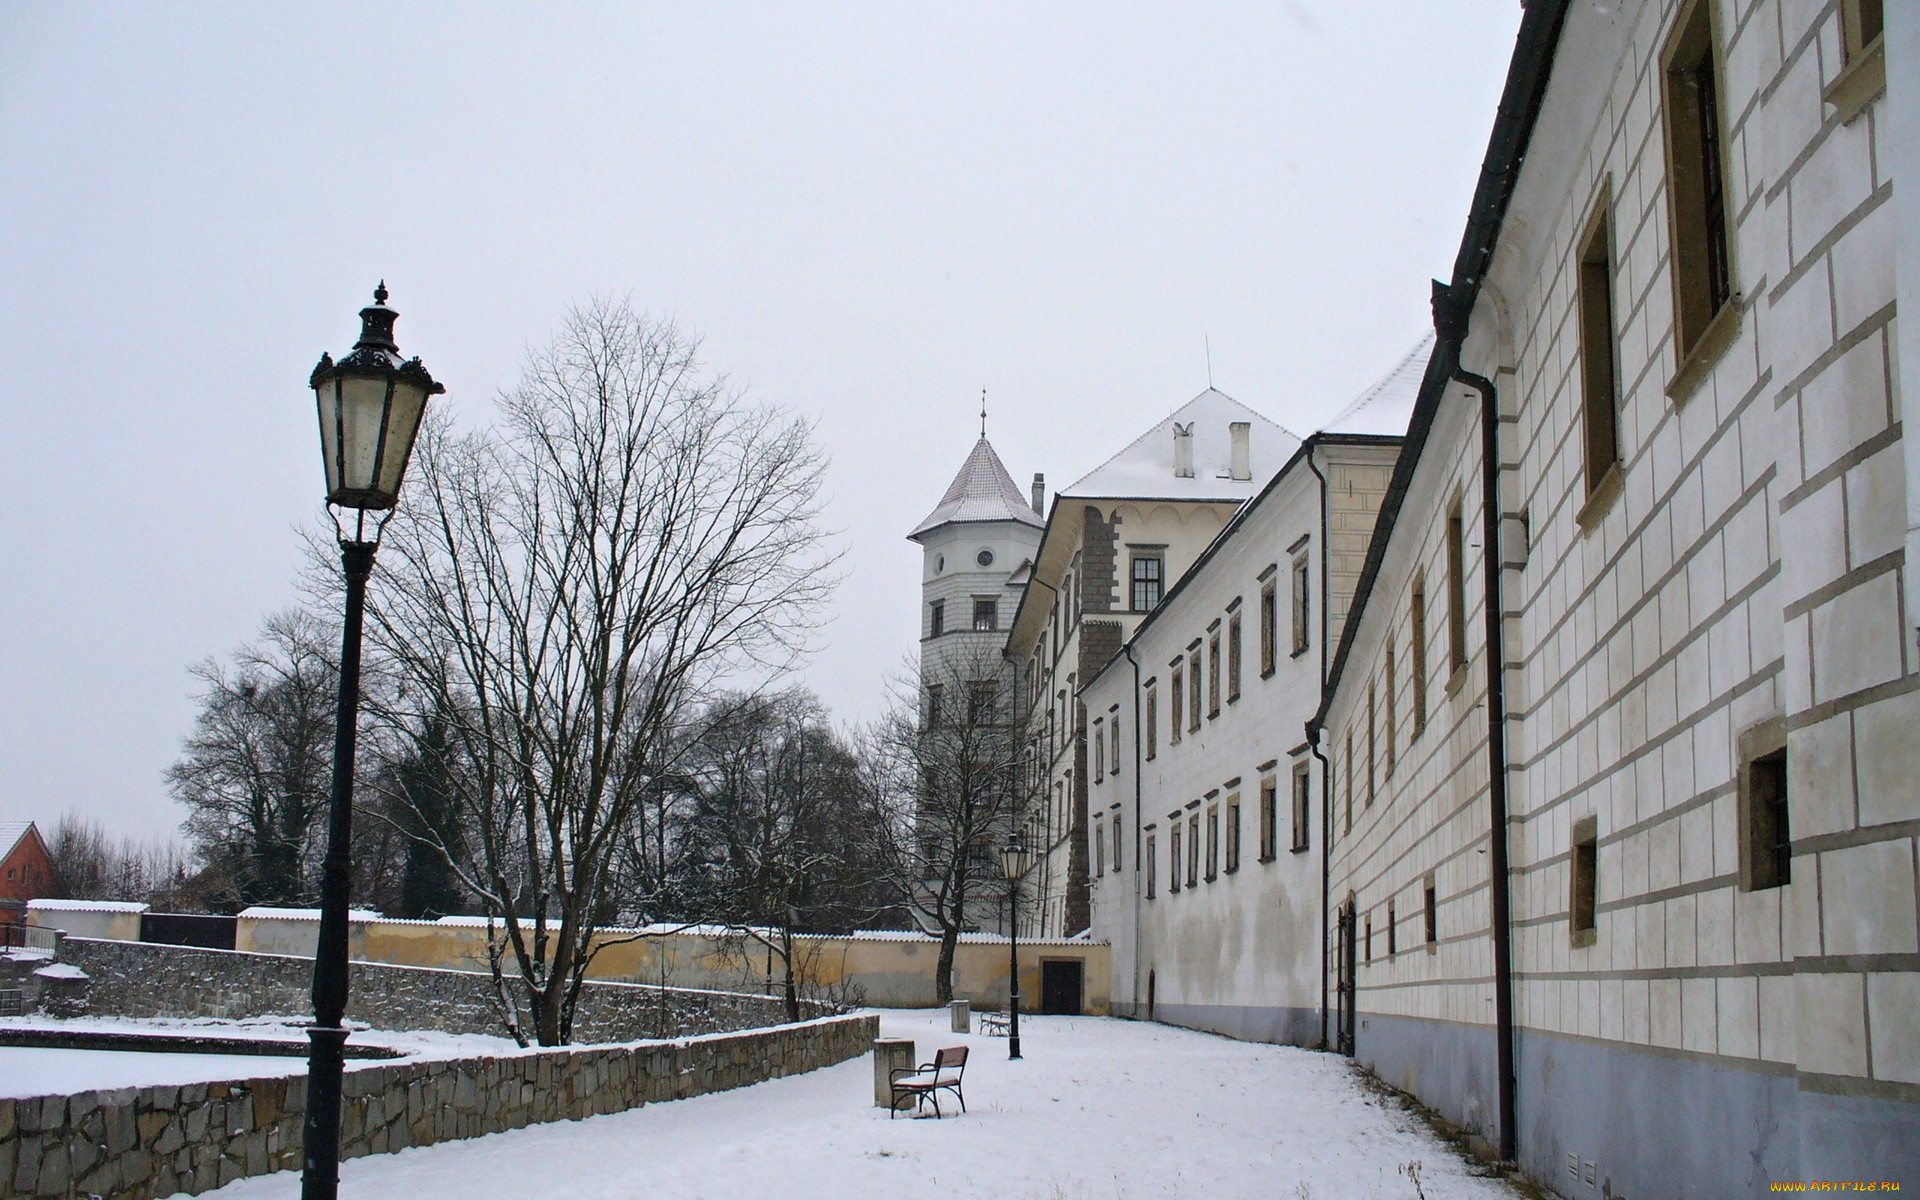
982,491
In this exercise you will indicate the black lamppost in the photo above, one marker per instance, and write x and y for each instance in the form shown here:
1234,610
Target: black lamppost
1013,864
371,403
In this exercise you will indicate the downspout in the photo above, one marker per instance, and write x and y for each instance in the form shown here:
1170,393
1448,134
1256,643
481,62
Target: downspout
1500,881
1326,768
1139,871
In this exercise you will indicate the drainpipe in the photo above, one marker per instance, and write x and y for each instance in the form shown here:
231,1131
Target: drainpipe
1496,751
1326,883
1139,872
1326,768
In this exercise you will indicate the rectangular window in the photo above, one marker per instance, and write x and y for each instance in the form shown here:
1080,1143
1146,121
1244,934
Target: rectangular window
1269,819
1177,698
1432,912
1417,666
1372,743
1269,618
1393,932
1099,750
1193,686
1114,823
935,693
936,618
1193,850
1213,675
1301,786
1585,873
1113,727
1233,833
1213,842
1153,867
1346,764
1152,721
1388,730
986,615
1696,183
1148,576
1766,848
1099,848
1173,855
1599,352
983,699
1367,944
1302,607
1456,588
1233,658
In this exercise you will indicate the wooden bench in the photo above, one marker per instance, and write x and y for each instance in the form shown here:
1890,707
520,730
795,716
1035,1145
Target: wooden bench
926,1081
993,1024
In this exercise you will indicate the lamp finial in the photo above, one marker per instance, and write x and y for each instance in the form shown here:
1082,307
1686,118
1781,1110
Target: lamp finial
380,293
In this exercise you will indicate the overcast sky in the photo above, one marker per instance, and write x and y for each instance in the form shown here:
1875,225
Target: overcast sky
869,212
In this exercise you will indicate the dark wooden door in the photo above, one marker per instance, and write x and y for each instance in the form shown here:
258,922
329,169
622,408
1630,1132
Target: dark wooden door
1060,984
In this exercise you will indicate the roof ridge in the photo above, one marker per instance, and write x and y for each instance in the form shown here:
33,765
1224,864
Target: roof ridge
1151,430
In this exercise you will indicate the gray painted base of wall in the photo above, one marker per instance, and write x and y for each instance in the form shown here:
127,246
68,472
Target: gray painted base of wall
1654,1126
1249,1023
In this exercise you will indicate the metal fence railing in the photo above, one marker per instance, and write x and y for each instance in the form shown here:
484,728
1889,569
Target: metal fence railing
30,937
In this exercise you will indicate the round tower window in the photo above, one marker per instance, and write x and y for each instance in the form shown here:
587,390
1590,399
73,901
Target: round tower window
984,558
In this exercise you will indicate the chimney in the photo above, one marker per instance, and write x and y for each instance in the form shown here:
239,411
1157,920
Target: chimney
1040,493
1183,450
1240,436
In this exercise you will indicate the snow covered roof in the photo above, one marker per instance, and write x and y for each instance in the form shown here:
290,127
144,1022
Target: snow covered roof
119,906
1146,468
982,491
1387,406
10,834
304,914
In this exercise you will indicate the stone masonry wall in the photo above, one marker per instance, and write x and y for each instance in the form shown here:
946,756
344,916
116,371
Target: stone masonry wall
140,1143
137,979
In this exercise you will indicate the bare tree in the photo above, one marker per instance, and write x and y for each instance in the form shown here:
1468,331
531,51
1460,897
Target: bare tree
562,589
951,757
90,865
254,772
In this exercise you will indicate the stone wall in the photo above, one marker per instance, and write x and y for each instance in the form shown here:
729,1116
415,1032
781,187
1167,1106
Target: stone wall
137,979
139,1143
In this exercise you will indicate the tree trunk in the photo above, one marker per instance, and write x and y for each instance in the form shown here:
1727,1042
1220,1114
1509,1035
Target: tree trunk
786,951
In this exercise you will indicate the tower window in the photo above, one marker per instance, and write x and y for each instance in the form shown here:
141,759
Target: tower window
937,616
984,558
986,614
1149,573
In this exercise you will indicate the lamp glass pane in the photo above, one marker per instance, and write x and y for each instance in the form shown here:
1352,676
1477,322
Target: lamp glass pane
403,423
363,402
326,394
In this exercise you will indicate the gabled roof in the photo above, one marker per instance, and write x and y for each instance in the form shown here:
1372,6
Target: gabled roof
11,832
982,491
1387,406
1145,468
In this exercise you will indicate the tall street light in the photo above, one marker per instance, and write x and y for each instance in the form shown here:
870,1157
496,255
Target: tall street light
371,403
1014,858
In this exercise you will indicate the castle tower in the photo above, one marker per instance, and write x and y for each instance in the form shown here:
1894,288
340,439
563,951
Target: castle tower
975,547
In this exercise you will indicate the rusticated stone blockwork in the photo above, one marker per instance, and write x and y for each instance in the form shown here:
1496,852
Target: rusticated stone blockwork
139,1143
135,979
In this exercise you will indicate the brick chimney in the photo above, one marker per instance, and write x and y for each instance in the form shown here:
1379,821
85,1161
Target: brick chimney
1240,437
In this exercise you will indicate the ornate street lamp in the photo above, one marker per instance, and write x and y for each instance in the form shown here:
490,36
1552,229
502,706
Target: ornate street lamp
371,403
1014,859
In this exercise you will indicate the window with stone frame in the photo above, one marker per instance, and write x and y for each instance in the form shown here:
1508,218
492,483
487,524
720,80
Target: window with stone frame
1393,931
1701,248
1390,727
1147,578
1194,672
1269,626
1269,819
1302,832
1173,854
1113,822
1233,657
1099,847
1213,674
1456,589
1152,867
1232,832
1302,607
1766,844
1599,356
1213,842
1113,732
1176,699
1099,740
1584,882
1150,719
1372,742
1431,911
1193,850
937,618
1417,655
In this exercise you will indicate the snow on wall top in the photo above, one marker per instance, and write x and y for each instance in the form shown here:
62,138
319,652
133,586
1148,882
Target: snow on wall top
1387,406
304,914
118,906
1145,469
982,491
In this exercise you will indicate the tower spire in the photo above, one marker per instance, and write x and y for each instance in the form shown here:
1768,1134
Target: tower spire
983,412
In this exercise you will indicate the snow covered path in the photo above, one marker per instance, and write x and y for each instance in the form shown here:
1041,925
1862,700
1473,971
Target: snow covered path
1098,1110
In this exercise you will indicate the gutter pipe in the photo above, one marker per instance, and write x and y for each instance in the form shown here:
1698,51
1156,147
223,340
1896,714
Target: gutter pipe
1326,772
1139,870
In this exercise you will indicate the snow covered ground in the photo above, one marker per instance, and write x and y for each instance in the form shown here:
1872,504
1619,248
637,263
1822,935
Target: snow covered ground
33,1071
1098,1110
